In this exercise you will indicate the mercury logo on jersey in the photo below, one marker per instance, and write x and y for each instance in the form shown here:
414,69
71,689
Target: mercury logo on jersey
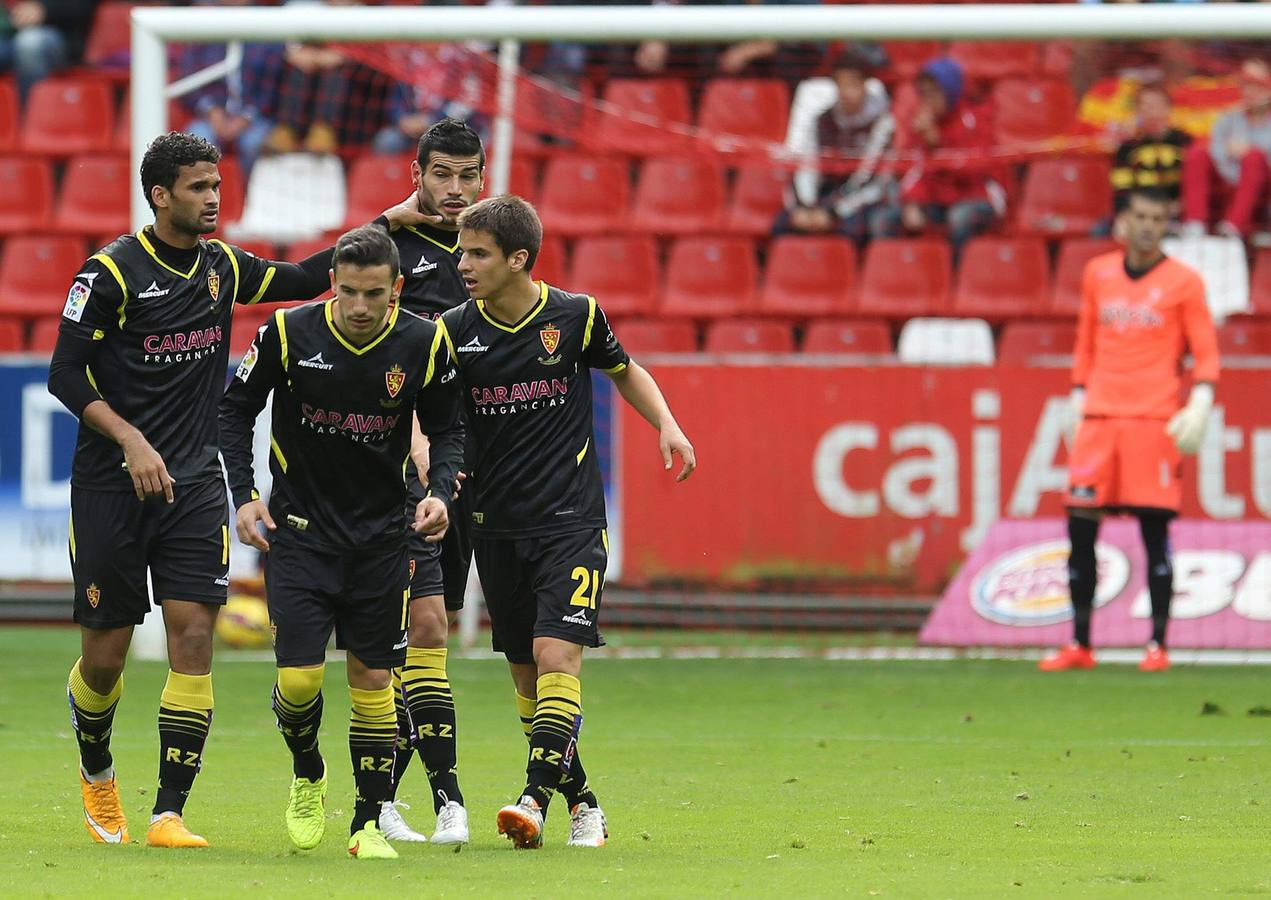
185,346
424,265
153,291
359,427
1121,315
524,396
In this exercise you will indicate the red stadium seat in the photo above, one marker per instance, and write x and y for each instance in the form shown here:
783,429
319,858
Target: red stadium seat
1065,196
110,39
522,178
620,272
233,190
375,183
749,336
66,116
710,277
95,197
1260,284
299,251
550,264
247,321
1028,110
584,195
1002,278
758,195
8,115
657,336
262,249
36,273
992,60
1245,338
905,277
847,336
1023,342
748,108
44,334
1074,253
26,195
10,336
906,58
644,116
679,196
809,276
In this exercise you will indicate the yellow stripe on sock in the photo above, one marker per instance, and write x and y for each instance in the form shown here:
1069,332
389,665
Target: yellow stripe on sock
188,692
298,686
560,685
525,708
88,699
373,707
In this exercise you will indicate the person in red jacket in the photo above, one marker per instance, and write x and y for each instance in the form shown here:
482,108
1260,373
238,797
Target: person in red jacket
967,200
1141,312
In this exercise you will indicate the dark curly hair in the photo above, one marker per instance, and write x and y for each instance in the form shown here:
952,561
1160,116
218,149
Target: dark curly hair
165,156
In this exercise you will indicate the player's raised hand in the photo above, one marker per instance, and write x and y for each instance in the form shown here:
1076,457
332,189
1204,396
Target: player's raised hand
460,478
671,440
144,464
245,524
431,519
408,213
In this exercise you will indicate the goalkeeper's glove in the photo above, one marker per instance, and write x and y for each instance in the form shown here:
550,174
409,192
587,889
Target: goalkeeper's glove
1187,426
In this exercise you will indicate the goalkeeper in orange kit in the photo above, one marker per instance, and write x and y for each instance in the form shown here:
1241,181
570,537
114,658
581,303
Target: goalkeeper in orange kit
1141,312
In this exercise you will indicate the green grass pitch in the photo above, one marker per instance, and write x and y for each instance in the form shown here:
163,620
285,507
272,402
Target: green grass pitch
761,777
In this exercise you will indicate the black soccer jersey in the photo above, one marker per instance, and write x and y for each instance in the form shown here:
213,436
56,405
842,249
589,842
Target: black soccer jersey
527,394
341,424
159,319
430,262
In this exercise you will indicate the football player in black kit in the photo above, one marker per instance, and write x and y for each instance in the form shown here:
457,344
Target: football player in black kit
140,359
349,376
447,176
525,352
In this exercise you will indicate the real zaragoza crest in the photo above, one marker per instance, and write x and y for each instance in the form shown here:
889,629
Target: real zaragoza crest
214,285
394,378
550,336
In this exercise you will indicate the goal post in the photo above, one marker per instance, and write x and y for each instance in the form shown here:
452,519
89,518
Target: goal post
154,27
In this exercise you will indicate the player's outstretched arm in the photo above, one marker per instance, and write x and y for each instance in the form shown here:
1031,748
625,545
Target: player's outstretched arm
88,317
437,409
259,373
639,389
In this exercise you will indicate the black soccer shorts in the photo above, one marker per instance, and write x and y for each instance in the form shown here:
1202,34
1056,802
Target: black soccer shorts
362,595
440,568
115,538
547,586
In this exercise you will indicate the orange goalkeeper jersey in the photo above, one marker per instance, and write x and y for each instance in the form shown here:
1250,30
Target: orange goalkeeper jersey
1132,334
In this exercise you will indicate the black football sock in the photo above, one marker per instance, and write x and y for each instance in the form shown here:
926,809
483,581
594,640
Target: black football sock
92,717
185,717
372,732
557,719
1082,574
1160,571
298,709
431,709
573,785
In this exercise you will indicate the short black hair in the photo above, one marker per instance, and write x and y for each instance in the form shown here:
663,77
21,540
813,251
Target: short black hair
165,156
365,246
854,60
511,220
451,137
1151,193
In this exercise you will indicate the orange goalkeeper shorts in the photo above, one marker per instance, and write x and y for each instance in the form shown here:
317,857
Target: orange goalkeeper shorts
1120,463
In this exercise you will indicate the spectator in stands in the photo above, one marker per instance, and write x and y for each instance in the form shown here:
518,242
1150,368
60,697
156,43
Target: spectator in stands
47,35
857,128
1228,174
967,198
447,83
1151,157
234,113
329,97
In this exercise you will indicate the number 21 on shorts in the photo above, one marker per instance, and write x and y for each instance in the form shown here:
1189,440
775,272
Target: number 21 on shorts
589,581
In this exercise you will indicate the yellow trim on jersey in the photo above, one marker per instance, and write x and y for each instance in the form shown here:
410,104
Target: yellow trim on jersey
233,264
432,355
70,525
281,321
525,320
615,370
430,240
273,445
578,460
441,325
225,545
591,320
149,248
604,538
99,335
123,287
405,606
264,285
388,328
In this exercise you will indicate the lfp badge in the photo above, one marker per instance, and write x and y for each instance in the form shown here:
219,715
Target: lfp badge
1029,585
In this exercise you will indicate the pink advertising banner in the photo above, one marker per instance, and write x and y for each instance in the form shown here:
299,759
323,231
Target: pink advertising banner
1013,590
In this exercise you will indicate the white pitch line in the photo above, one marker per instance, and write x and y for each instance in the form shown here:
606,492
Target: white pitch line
1114,655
